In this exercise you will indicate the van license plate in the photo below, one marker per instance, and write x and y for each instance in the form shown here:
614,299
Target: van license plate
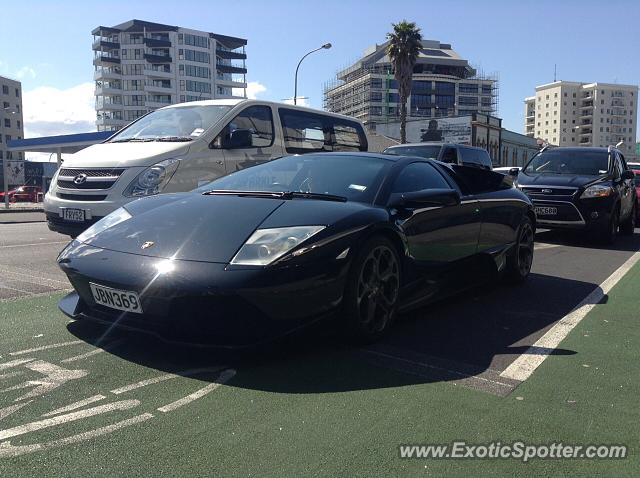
73,215
546,211
125,300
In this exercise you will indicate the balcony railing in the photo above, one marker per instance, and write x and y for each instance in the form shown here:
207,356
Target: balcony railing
105,44
231,55
230,69
105,59
157,58
157,43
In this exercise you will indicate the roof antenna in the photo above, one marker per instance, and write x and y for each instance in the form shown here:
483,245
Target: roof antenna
554,72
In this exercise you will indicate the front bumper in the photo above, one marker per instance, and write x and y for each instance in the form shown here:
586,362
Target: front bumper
203,303
590,214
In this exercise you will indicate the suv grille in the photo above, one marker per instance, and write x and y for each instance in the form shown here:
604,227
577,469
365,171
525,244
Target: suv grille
88,178
549,192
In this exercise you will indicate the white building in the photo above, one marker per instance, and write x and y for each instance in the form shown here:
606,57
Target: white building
11,125
444,84
141,66
567,113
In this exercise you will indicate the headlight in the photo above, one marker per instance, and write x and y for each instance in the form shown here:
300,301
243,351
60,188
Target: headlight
266,245
116,217
596,191
153,179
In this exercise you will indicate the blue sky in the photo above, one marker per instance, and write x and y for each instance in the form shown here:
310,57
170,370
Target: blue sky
48,44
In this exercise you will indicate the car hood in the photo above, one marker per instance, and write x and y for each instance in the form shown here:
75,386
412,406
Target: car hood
191,226
556,180
110,155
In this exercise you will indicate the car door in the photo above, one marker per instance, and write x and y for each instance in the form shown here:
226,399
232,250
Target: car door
437,236
257,122
625,187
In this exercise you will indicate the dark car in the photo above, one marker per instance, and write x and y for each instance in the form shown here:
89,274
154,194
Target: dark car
268,249
452,153
581,188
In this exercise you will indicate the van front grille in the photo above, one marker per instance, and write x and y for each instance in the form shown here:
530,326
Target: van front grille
94,179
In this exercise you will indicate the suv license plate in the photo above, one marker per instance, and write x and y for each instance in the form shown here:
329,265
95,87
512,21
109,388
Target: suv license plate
125,300
73,215
546,211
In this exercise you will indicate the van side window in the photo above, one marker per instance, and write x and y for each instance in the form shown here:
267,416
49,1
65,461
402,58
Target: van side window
258,120
449,155
306,132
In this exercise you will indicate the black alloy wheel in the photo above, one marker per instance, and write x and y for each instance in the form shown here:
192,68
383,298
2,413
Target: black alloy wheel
521,258
372,292
628,225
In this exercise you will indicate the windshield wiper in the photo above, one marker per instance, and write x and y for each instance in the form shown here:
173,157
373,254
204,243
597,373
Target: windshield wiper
310,195
257,194
132,140
276,194
174,138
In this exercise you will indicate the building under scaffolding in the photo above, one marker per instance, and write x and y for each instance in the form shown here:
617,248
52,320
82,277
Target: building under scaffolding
444,84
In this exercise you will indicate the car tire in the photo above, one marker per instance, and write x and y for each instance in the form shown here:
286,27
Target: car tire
371,296
610,231
628,225
520,259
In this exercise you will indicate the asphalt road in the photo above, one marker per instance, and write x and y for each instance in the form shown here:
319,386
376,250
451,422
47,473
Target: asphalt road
68,407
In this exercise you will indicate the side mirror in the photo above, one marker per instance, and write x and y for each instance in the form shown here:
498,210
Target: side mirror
240,138
425,198
514,172
628,174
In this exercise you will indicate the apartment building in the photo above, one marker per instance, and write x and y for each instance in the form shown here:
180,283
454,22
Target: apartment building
567,113
444,84
141,66
11,126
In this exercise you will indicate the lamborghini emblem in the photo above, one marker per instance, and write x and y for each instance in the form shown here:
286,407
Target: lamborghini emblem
147,245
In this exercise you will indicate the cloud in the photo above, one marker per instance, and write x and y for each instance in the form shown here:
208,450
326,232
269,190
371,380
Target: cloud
302,101
51,111
24,71
254,88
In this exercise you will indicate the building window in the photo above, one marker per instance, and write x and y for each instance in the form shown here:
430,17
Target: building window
5,90
7,123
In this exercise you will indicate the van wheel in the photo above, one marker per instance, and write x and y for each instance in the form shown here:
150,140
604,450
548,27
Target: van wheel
628,225
521,258
371,296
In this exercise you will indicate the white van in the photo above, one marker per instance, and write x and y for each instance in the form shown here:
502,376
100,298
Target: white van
183,146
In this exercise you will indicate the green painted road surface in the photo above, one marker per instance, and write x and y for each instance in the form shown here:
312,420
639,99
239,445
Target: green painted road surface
144,408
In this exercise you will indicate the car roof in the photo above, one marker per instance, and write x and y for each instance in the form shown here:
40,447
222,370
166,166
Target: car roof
578,149
433,143
394,158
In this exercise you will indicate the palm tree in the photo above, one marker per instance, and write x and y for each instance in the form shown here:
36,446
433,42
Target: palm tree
405,43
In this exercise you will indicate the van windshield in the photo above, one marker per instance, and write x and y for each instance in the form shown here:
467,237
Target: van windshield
183,123
429,152
585,163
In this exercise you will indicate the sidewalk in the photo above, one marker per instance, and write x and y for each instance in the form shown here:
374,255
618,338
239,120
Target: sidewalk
21,207
18,216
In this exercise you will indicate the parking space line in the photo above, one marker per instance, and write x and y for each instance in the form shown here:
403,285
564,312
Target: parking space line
75,405
8,450
47,347
6,411
222,379
33,244
14,363
106,348
162,378
69,417
522,368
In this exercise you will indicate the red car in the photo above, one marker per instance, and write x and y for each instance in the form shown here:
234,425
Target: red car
22,194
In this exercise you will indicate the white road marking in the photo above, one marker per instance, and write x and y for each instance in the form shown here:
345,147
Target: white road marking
6,411
54,377
162,378
14,363
522,368
33,279
5,376
47,347
223,378
36,294
69,417
543,245
106,348
33,244
15,289
7,450
75,405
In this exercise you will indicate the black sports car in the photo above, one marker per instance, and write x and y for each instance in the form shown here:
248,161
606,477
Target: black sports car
269,249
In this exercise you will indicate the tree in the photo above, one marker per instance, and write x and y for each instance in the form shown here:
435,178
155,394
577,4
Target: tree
405,42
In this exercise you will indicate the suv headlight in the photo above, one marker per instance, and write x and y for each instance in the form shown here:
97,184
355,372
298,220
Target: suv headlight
110,220
153,179
596,191
267,245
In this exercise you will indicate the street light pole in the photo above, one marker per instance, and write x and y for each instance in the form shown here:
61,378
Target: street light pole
5,161
326,46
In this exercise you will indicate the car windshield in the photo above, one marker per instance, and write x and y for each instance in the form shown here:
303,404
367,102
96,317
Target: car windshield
429,152
585,163
183,123
355,178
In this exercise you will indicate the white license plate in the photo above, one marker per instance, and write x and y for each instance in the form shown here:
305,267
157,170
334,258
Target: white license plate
125,300
73,215
546,211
